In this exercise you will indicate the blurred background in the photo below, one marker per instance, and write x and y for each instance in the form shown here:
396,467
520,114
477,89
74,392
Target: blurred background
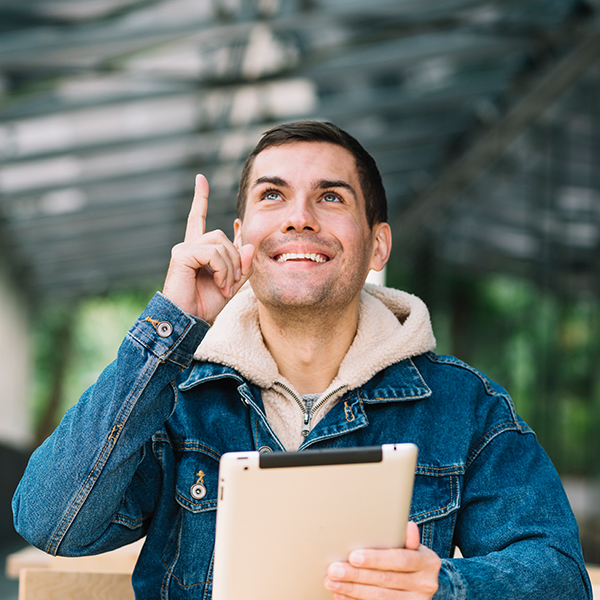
483,116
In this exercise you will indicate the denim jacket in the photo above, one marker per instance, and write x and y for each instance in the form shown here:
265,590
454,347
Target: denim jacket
124,461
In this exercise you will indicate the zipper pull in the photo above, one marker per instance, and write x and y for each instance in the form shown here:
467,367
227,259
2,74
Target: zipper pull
306,427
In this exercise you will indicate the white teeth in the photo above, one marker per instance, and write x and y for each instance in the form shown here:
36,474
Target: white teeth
301,255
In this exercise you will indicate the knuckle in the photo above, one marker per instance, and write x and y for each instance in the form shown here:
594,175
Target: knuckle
435,562
215,251
381,594
177,249
433,587
387,579
345,588
428,585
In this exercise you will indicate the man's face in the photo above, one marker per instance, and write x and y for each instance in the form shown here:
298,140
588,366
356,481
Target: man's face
305,216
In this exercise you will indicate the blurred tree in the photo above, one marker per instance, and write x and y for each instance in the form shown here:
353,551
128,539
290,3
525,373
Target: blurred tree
542,346
73,344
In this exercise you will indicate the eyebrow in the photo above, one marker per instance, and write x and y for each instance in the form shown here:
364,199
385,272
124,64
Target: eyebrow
272,180
323,184
333,183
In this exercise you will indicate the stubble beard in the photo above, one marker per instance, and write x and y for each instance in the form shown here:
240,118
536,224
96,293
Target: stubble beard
307,304
295,301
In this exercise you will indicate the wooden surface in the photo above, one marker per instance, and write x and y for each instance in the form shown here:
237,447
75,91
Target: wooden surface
594,573
50,584
29,557
121,560
119,563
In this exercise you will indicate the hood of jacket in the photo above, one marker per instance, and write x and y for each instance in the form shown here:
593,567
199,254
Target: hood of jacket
392,326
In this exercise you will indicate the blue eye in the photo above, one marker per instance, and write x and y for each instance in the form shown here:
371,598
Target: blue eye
272,196
331,198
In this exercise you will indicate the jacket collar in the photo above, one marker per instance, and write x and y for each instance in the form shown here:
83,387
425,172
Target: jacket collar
201,372
392,326
399,382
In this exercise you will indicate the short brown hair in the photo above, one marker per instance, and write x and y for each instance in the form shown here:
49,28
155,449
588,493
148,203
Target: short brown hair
318,131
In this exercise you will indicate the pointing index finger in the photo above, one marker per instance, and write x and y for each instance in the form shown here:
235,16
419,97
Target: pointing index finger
196,222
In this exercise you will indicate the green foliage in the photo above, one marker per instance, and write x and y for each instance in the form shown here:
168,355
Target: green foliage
543,348
47,348
98,327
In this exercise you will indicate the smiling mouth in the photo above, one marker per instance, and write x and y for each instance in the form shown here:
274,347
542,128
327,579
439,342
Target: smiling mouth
312,256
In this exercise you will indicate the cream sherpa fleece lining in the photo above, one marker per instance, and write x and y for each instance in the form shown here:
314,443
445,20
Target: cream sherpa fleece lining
392,326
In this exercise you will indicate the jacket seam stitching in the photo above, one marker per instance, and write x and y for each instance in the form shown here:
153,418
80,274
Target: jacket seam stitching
461,365
451,542
210,574
442,509
170,352
350,428
492,434
191,585
440,471
194,445
185,386
196,507
122,519
170,566
394,398
101,461
410,360
169,355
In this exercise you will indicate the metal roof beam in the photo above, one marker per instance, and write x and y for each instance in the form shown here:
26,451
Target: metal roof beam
493,144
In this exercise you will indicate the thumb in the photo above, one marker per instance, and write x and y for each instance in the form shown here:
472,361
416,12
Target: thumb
413,537
246,254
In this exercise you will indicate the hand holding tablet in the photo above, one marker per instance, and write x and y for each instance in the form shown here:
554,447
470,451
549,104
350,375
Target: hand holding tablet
284,518
412,569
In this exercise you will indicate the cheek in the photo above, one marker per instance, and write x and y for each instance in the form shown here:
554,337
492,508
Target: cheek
354,235
255,231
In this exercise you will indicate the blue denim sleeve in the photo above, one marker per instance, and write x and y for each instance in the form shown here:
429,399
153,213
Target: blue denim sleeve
515,528
98,459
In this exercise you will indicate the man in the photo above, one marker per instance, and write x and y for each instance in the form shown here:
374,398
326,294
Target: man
305,356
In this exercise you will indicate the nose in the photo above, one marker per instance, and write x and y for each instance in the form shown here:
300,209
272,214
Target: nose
300,216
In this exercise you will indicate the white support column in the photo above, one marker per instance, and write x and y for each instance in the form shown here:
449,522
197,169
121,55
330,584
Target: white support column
15,366
377,277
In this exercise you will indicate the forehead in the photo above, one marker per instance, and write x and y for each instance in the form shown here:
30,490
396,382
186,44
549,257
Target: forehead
305,162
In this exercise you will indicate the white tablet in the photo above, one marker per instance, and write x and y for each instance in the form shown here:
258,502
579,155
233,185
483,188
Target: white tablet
283,517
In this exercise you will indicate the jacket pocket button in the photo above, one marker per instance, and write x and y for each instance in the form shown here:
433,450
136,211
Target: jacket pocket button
198,491
265,449
164,329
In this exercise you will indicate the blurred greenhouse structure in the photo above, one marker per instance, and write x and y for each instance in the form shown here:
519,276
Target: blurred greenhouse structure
483,116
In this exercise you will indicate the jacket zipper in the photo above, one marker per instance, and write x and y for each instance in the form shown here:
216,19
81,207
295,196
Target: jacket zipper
308,415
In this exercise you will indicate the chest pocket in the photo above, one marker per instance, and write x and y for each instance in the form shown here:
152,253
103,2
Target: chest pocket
189,553
435,503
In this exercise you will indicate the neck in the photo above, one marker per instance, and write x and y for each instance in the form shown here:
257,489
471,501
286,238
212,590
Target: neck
308,346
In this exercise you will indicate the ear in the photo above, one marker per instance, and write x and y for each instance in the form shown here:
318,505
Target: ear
237,231
382,246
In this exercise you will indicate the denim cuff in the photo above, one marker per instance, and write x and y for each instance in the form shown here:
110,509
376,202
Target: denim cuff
169,332
451,584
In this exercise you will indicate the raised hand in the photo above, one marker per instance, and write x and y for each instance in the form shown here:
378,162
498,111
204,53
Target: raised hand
206,269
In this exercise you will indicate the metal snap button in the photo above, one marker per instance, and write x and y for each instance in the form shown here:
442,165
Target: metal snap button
198,491
265,450
164,329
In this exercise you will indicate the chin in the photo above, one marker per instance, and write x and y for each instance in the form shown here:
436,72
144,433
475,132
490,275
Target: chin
296,296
